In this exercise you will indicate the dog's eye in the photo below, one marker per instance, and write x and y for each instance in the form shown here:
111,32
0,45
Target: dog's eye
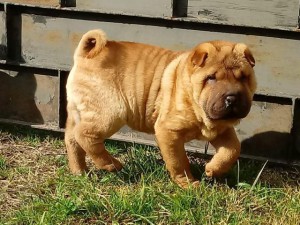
211,77
243,78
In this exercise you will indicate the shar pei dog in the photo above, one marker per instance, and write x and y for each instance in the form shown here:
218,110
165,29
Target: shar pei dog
200,93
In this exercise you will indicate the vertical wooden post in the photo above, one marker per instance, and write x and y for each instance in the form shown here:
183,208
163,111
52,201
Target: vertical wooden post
180,8
299,16
295,152
3,45
67,3
13,33
62,99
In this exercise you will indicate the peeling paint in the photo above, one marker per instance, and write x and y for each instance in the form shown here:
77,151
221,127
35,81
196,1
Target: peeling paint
39,19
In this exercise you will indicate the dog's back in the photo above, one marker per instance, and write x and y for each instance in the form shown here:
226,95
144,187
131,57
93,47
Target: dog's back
134,69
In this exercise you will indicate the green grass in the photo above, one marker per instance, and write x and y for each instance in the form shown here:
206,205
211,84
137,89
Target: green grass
38,189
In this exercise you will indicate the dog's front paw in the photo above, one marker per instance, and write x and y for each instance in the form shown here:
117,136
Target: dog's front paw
213,170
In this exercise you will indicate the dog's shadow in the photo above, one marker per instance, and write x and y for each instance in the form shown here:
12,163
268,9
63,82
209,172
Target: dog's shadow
145,165
141,164
270,144
17,97
17,93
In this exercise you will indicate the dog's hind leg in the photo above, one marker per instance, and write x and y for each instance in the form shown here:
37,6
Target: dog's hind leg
76,155
91,138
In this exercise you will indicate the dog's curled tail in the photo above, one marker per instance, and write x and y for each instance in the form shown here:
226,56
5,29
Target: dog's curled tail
91,44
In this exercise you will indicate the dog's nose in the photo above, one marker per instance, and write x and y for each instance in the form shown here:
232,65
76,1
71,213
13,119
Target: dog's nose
230,100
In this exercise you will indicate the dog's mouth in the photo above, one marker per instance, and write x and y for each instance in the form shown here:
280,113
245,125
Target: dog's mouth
226,115
228,109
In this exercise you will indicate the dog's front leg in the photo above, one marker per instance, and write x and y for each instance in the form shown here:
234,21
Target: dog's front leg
228,150
171,145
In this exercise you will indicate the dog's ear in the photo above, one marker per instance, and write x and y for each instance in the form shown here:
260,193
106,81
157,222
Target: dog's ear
247,53
249,57
201,53
199,57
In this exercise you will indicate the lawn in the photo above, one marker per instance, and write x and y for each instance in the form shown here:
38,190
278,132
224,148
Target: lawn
37,188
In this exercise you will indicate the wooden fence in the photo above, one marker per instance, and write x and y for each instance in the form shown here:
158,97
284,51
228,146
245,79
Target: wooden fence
38,38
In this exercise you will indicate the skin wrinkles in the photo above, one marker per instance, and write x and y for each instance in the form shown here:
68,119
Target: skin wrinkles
153,61
154,88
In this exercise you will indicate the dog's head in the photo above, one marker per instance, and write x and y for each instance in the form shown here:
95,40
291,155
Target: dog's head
222,79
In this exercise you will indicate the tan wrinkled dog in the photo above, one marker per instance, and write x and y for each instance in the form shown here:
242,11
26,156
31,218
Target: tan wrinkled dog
178,96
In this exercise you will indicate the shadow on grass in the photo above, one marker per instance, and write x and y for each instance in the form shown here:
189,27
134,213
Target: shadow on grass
141,164
144,164
140,161
247,171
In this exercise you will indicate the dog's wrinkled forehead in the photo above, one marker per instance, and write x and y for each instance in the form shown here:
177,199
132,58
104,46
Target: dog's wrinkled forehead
227,54
222,58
